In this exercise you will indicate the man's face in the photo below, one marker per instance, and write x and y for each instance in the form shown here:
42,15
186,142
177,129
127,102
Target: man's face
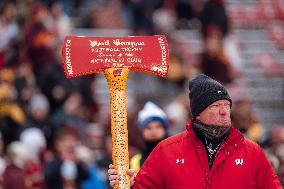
218,113
154,131
66,147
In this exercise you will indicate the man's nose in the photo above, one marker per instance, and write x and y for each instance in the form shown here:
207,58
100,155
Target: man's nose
224,110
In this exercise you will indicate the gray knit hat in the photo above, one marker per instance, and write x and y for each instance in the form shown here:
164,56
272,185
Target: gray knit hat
203,91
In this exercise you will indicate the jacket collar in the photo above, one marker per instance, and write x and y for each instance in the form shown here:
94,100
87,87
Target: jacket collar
235,134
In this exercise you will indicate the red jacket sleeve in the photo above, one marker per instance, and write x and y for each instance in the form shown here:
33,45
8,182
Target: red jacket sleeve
265,176
150,174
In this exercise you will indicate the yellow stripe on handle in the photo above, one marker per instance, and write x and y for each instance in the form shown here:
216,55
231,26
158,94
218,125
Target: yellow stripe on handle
117,78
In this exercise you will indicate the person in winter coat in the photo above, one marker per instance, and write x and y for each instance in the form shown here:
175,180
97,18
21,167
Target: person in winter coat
14,176
211,153
65,170
153,124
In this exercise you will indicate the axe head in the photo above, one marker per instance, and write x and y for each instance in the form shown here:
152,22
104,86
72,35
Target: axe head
86,55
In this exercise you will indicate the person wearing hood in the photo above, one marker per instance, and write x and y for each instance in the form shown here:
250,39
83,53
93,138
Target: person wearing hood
153,124
211,153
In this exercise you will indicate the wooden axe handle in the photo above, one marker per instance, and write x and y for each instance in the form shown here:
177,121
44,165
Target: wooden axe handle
117,78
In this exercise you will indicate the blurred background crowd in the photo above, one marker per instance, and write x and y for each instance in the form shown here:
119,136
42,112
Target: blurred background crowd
55,132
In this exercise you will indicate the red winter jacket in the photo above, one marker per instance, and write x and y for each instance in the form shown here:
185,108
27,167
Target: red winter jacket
180,162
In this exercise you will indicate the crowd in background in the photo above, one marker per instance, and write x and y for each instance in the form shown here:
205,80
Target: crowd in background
55,133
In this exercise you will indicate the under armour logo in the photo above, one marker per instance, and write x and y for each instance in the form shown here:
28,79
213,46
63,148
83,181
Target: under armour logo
180,161
239,161
219,92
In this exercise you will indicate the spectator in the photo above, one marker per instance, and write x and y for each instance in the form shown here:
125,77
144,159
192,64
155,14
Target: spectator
164,18
59,23
153,124
8,29
246,121
95,179
178,112
214,14
39,40
25,84
106,15
65,170
214,62
34,141
38,115
14,174
12,116
95,140
71,114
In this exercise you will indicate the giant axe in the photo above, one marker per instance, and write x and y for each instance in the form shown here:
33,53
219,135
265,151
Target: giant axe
116,56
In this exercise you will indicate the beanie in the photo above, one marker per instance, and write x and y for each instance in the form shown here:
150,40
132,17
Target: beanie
203,91
39,101
151,112
34,141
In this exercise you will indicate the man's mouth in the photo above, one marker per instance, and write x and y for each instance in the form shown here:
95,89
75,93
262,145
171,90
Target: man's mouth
225,122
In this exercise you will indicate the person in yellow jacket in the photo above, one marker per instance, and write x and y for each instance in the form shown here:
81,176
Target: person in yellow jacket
12,116
153,124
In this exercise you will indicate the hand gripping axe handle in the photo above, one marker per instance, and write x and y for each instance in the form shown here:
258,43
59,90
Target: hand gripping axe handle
116,56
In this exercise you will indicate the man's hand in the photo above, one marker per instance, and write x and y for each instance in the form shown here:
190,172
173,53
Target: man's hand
113,176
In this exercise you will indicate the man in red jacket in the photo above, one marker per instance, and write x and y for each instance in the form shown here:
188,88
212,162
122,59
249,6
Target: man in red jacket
211,153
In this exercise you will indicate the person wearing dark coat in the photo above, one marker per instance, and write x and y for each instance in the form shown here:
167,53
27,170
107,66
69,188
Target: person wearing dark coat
214,14
153,124
65,170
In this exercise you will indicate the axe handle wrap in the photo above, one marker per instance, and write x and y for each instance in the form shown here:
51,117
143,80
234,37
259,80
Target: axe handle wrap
120,154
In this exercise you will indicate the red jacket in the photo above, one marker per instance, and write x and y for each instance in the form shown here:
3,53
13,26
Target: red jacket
180,162
14,178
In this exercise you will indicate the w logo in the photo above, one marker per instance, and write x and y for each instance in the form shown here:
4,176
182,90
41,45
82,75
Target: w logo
239,161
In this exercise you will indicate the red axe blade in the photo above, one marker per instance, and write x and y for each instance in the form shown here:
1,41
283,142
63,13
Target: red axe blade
85,55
